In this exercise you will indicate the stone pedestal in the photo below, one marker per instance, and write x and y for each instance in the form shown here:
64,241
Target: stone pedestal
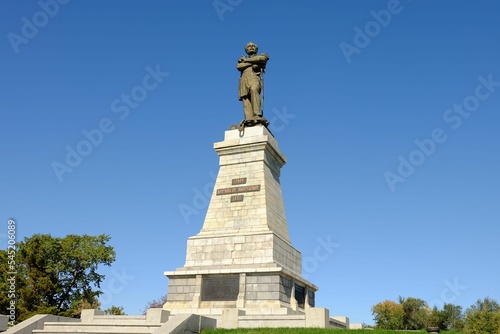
243,258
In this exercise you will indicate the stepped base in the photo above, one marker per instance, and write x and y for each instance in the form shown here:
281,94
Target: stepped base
155,321
268,317
160,321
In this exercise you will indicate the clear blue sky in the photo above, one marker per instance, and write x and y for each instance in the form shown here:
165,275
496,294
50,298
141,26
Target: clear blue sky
346,108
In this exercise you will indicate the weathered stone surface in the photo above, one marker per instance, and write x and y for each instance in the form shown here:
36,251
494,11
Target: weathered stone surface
245,239
255,156
186,323
36,323
4,320
242,250
94,321
317,317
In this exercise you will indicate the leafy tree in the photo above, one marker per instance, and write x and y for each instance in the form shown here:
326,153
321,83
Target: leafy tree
388,315
453,318
77,306
435,318
483,317
450,318
57,275
156,303
114,310
415,311
409,314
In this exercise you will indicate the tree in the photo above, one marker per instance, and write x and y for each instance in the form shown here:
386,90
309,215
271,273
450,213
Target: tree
57,275
114,310
450,318
156,303
409,314
453,318
76,307
483,317
388,315
415,312
435,318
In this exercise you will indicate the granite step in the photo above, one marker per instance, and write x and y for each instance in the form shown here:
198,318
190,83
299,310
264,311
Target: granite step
112,327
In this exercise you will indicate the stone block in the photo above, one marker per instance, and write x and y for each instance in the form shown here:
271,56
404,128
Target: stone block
342,319
157,316
265,295
251,295
186,323
229,318
88,315
265,279
317,317
4,321
252,279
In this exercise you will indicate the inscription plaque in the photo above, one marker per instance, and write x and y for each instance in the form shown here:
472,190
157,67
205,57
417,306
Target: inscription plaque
240,189
237,198
241,180
223,288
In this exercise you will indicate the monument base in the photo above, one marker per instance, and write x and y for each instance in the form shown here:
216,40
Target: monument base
258,297
271,290
241,268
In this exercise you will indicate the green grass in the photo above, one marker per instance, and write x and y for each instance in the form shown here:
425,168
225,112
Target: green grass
309,331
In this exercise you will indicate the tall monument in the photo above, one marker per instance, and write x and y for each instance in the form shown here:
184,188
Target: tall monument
242,268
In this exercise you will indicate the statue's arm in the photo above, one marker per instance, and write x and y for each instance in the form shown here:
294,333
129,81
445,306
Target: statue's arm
242,66
246,62
260,59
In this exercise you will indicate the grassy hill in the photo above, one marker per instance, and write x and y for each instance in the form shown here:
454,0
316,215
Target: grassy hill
310,331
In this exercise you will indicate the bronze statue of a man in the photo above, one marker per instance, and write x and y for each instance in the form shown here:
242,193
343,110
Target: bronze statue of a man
251,85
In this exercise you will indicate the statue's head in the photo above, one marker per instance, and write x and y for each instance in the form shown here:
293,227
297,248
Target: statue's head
251,48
